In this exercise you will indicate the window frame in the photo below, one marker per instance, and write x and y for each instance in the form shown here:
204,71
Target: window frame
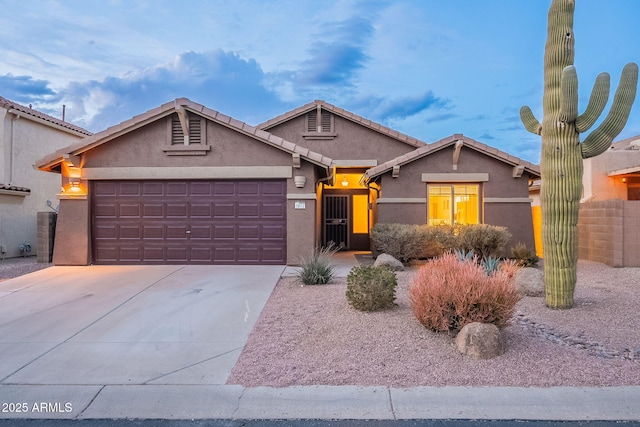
452,204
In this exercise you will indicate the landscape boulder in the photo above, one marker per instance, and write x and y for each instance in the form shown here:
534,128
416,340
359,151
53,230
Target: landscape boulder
530,282
480,340
385,260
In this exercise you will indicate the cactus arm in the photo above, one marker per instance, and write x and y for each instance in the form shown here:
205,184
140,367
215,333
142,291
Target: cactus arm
529,120
600,139
597,102
569,89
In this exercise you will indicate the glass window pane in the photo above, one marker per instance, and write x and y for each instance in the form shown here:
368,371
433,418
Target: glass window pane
439,209
466,204
360,214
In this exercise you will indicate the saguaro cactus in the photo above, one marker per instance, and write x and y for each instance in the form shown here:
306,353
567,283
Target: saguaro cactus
563,153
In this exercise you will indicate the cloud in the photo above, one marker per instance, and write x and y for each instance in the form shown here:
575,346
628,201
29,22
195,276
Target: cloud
24,89
338,52
441,117
221,80
486,136
385,109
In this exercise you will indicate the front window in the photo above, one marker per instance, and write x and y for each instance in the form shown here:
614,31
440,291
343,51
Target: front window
450,204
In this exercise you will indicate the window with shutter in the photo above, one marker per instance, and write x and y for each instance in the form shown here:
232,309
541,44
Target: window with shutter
177,137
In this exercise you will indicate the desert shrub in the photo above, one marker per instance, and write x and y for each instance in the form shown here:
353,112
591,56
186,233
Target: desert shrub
435,240
401,241
371,288
483,239
407,242
509,267
446,294
317,269
524,256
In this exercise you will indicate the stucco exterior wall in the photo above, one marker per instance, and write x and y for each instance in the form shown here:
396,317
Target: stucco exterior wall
352,141
505,198
597,185
22,142
141,151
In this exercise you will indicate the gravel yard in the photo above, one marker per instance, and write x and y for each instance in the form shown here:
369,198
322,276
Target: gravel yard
310,335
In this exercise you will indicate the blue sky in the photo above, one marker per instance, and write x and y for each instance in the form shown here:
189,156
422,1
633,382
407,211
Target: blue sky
428,68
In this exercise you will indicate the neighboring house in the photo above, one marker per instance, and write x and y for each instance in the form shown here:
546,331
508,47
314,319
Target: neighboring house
25,135
185,184
609,219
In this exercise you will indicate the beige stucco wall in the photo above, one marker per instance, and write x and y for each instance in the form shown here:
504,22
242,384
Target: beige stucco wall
23,141
597,185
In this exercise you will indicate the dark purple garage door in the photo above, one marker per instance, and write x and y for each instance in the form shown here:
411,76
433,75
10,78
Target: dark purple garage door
189,222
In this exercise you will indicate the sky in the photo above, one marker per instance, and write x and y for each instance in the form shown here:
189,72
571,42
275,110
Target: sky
427,68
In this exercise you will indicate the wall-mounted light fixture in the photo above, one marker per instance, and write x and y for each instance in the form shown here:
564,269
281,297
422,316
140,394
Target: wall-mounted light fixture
345,181
624,179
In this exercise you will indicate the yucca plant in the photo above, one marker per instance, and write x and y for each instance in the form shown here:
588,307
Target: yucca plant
318,268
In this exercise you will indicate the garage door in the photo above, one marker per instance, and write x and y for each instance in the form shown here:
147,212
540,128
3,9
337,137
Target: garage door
189,222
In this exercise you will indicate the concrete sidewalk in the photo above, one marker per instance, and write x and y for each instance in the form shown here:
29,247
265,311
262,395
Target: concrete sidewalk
159,342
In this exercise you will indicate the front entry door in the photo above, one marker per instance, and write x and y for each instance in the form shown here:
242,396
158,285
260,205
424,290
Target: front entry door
346,219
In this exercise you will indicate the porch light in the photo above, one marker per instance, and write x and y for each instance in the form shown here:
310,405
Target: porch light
345,181
624,179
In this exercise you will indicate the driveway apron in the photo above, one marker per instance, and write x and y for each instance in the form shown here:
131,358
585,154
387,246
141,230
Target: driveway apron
106,325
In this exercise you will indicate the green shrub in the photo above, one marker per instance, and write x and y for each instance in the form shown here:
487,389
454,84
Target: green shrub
318,268
446,294
371,288
484,240
523,256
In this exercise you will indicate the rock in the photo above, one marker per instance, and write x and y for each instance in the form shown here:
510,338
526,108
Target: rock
388,261
480,341
530,282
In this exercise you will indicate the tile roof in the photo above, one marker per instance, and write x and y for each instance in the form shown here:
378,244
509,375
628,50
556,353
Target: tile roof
343,113
10,105
14,188
445,142
86,144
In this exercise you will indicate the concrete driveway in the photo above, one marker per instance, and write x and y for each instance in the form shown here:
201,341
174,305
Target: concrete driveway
102,325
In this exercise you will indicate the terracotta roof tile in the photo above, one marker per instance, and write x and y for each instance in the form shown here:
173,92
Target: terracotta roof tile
7,187
345,114
7,104
51,160
445,142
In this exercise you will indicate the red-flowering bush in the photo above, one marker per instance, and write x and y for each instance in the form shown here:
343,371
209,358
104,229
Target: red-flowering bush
446,294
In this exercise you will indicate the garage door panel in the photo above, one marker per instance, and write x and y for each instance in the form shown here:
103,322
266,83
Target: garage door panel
248,210
249,232
183,222
177,189
130,232
129,210
129,189
153,210
105,210
201,211
273,211
177,210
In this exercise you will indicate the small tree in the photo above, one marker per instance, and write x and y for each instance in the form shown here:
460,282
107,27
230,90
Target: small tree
562,152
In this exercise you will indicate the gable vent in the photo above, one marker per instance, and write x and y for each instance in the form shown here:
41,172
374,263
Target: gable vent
195,131
326,121
177,137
